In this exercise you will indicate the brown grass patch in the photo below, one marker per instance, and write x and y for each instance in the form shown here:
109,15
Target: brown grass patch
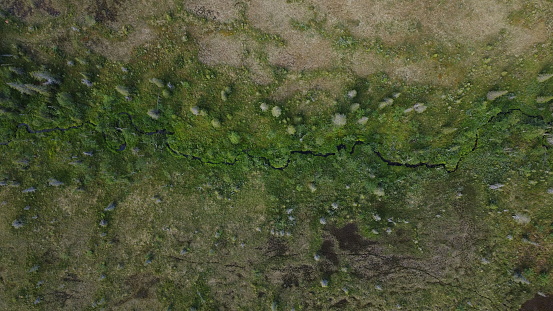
458,27
276,16
221,48
304,52
295,84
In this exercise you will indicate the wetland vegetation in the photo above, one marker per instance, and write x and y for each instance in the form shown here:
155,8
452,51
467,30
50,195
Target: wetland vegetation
276,155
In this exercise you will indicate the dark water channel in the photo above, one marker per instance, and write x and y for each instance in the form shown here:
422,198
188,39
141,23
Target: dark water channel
538,303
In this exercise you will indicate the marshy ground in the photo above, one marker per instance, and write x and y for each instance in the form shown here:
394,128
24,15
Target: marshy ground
256,155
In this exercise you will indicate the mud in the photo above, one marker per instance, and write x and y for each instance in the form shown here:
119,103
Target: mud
538,303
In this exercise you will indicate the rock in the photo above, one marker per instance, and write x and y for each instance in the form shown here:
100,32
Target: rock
419,107
492,95
544,77
385,103
543,99
496,186
157,198
21,88
521,219
16,70
225,93
158,82
195,110
352,94
55,183
30,189
125,91
111,206
87,82
81,61
549,139
154,114
363,121
43,75
41,89
339,119
519,278
17,224
264,107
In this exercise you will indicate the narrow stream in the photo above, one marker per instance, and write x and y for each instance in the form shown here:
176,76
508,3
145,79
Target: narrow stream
267,161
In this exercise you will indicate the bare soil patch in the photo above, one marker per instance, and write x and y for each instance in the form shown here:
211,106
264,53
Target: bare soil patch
222,11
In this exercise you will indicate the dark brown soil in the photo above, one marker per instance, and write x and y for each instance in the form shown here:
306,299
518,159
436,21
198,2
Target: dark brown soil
276,247
349,238
327,250
538,303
